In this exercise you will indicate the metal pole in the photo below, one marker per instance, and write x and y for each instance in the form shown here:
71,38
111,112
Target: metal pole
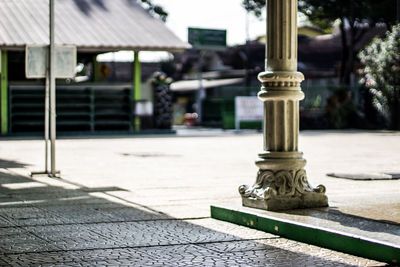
52,82
398,11
200,92
247,24
46,122
4,93
137,83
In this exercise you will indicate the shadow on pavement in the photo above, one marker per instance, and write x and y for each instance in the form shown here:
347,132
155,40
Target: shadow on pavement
382,230
367,227
12,164
46,221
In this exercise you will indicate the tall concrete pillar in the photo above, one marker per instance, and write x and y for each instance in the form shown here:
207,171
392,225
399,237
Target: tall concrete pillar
281,181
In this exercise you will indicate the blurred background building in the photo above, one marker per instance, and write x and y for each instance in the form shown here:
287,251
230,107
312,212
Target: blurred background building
116,92
103,96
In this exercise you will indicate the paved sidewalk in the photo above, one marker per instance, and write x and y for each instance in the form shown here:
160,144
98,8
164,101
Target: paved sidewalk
145,201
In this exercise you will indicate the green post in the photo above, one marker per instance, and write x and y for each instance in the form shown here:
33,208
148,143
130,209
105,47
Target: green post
4,93
95,69
137,82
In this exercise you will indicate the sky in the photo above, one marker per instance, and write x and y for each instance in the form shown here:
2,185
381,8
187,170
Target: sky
215,14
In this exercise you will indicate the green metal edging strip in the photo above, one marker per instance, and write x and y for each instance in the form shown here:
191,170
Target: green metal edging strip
343,242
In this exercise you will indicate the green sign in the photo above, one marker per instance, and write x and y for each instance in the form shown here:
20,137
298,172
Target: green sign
207,38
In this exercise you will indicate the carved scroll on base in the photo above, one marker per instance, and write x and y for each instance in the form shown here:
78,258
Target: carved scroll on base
284,189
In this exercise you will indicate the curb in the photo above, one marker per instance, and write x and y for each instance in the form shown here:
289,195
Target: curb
322,237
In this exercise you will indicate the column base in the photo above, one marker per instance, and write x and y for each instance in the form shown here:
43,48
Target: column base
309,200
282,184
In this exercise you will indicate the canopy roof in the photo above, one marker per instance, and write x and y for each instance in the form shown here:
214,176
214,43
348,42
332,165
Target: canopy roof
193,85
91,25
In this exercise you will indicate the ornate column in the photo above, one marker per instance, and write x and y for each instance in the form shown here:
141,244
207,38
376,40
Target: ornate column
281,182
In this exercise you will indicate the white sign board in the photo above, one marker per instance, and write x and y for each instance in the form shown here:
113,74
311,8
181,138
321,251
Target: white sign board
36,61
65,62
36,58
143,108
248,108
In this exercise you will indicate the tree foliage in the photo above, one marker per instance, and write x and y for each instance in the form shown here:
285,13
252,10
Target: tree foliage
155,10
324,13
354,11
254,6
350,13
382,74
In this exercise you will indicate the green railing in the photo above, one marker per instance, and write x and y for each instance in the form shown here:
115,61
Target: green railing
88,108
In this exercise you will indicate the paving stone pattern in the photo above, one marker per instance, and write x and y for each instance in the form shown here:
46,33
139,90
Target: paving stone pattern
71,227
116,207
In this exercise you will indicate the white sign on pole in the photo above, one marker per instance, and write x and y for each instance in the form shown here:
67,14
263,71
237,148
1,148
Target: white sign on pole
36,58
248,108
65,61
37,65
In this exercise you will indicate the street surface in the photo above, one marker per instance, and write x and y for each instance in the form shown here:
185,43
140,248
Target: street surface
145,200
